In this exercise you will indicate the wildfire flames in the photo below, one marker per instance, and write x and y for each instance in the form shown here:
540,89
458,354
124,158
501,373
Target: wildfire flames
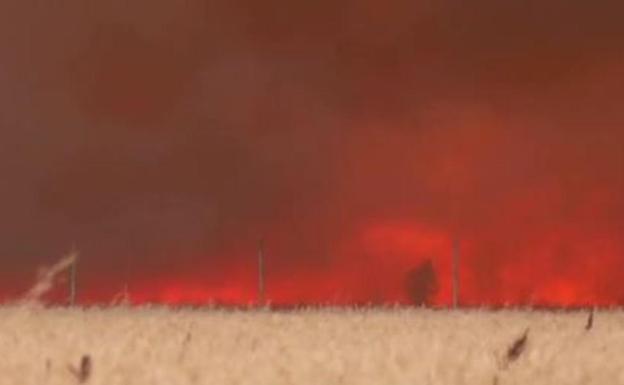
404,263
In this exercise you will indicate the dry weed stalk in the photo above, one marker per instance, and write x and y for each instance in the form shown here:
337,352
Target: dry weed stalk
46,278
185,344
122,298
590,320
83,372
516,349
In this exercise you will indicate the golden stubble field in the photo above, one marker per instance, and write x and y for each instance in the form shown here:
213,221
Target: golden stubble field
159,345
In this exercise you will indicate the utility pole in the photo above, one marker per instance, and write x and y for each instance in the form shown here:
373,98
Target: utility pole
455,273
72,277
261,298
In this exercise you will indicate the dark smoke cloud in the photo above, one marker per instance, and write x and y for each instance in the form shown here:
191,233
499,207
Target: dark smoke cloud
165,139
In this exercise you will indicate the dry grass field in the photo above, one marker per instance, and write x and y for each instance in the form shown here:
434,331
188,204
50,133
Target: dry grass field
157,345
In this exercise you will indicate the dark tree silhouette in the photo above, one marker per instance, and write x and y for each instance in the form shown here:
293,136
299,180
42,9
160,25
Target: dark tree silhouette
421,283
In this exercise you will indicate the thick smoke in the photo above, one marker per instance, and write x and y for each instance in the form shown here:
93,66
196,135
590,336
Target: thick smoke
357,138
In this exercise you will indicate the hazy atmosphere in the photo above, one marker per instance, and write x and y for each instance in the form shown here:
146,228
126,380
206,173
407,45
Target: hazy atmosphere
358,139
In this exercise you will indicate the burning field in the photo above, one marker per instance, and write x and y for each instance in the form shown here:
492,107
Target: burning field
160,345
391,157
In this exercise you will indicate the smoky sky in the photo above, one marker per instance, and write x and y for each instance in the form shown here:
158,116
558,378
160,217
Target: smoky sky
161,136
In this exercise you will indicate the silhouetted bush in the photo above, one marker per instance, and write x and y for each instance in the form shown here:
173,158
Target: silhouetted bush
421,283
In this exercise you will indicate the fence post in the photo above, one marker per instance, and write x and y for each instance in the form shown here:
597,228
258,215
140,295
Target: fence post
455,273
261,296
72,277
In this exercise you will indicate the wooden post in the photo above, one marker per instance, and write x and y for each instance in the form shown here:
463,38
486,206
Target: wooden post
455,272
72,278
261,297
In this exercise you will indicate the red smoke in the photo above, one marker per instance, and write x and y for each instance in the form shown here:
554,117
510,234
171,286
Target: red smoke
358,139
565,267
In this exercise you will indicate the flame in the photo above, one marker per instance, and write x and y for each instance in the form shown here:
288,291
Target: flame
559,268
